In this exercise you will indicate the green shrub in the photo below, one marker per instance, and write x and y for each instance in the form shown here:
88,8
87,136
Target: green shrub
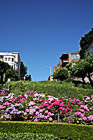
54,88
60,130
61,74
27,136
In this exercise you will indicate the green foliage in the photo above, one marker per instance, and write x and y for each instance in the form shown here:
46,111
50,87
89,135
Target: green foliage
55,88
6,71
28,77
85,42
61,74
69,65
83,67
23,70
12,74
27,136
60,130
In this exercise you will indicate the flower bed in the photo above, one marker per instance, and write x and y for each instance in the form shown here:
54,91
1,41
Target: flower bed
35,107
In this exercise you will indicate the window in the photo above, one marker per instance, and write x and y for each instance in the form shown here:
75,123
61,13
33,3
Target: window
12,59
5,58
9,59
75,56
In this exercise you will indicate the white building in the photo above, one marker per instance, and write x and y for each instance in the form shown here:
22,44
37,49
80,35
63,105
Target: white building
13,59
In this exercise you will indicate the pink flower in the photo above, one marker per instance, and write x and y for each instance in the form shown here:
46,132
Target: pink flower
80,103
46,112
73,103
26,110
69,109
50,119
62,104
78,113
67,114
41,110
20,96
82,114
31,112
86,101
80,119
25,113
91,108
37,113
82,110
31,103
36,95
36,120
48,107
56,103
86,108
56,111
6,103
84,118
82,106
90,118
70,99
88,98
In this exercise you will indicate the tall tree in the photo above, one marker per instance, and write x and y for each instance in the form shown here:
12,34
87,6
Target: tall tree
23,71
85,42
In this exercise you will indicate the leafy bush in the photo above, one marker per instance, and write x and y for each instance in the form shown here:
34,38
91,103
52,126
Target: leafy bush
27,136
60,130
61,74
55,88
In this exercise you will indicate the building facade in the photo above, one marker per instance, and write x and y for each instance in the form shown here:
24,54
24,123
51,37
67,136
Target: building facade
13,59
67,58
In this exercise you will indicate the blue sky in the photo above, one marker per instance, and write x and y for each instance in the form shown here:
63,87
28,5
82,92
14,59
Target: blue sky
41,30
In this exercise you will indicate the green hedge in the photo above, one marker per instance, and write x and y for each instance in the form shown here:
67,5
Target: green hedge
57,89
61,130
27,136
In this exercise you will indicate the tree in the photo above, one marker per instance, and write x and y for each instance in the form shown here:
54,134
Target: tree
6,71
23,70
85,42
12,74
61,74
70,64
3,67
83,68
78,69
89,66
28,77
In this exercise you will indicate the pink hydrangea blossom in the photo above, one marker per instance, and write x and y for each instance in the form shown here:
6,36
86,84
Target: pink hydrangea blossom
37,113
82,110
84,118
25,113
80,103
91,108
80,119
78,113
50,119
82,114
67,114
46,112
36,120
90,118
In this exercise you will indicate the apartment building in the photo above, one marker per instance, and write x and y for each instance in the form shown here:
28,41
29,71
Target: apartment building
67,58
13,59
